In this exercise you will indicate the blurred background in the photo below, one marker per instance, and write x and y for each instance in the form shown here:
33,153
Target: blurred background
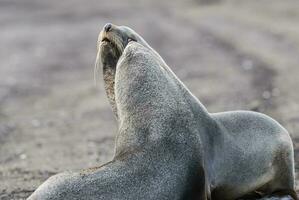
232,54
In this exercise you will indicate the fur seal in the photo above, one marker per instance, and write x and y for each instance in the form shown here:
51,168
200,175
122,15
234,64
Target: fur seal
168,145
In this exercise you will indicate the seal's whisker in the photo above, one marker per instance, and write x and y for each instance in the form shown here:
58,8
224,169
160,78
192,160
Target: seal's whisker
96,68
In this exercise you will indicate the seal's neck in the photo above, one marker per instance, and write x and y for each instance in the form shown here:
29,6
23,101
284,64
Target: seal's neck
109,74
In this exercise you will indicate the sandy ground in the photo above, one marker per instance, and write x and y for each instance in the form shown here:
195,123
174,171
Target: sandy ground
233,55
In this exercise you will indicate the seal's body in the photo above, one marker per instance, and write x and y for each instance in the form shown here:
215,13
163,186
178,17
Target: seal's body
252,152
168,145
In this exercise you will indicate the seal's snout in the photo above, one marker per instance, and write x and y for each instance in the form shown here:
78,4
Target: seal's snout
108,27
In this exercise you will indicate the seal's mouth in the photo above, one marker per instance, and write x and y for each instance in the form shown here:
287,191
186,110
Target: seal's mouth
113,42
106,40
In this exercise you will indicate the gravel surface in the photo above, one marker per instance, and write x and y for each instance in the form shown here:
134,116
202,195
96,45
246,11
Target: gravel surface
232,54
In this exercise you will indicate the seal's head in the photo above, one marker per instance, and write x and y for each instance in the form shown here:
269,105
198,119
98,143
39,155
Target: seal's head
113,40
111,43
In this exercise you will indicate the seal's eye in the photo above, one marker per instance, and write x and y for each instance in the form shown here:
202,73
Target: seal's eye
131,39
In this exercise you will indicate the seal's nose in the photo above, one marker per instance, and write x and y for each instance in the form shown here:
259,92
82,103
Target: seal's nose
108,27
